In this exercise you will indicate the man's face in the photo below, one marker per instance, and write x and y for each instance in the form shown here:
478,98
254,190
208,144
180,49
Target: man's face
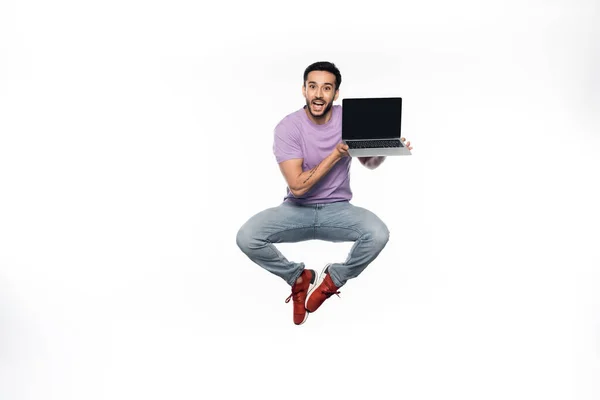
319,91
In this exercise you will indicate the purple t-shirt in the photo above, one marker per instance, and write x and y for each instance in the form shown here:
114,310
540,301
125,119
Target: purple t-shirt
296,136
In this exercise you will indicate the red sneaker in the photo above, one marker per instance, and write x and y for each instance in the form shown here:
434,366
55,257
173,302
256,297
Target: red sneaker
299,292
323,290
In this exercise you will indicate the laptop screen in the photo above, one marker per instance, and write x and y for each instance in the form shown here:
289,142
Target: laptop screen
371,118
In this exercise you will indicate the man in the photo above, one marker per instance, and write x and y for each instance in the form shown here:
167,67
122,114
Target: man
316,165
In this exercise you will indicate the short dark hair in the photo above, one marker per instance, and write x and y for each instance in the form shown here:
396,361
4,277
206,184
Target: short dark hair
324,66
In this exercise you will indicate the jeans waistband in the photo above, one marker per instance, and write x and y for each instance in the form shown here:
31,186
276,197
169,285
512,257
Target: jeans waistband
317,205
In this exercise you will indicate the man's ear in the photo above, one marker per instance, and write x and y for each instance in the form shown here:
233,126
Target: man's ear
304,90
337,94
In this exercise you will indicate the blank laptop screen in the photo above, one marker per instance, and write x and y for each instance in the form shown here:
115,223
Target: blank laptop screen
371,118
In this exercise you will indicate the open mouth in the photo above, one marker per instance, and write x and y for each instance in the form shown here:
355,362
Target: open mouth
318,105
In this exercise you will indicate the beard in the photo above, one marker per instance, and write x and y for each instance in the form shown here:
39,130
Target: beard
323,113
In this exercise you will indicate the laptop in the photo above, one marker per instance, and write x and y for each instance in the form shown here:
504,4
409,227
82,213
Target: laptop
371,126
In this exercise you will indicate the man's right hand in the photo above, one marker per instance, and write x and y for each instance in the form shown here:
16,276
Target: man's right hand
341,150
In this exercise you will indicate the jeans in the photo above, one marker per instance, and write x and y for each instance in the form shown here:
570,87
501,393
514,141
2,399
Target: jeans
333,222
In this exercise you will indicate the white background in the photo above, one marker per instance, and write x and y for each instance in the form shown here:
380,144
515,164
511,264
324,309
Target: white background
136,138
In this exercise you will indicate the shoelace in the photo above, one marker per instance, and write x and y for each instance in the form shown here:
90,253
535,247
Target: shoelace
294,295
330,293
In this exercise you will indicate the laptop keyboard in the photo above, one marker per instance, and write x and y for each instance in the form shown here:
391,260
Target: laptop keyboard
370,144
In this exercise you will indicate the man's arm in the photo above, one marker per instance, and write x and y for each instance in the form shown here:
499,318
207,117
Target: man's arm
300,182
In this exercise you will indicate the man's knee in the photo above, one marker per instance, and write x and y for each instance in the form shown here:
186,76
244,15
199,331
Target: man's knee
380,236
376,229
243,238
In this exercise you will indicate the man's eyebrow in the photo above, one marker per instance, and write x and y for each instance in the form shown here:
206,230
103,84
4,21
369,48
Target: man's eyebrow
326,83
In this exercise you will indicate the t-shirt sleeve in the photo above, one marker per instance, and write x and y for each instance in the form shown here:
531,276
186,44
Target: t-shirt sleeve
286,143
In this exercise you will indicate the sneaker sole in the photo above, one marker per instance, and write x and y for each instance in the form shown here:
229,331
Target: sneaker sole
321,278
311,287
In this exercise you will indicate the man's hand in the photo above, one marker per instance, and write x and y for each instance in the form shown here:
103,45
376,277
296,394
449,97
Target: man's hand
406,144
341,150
